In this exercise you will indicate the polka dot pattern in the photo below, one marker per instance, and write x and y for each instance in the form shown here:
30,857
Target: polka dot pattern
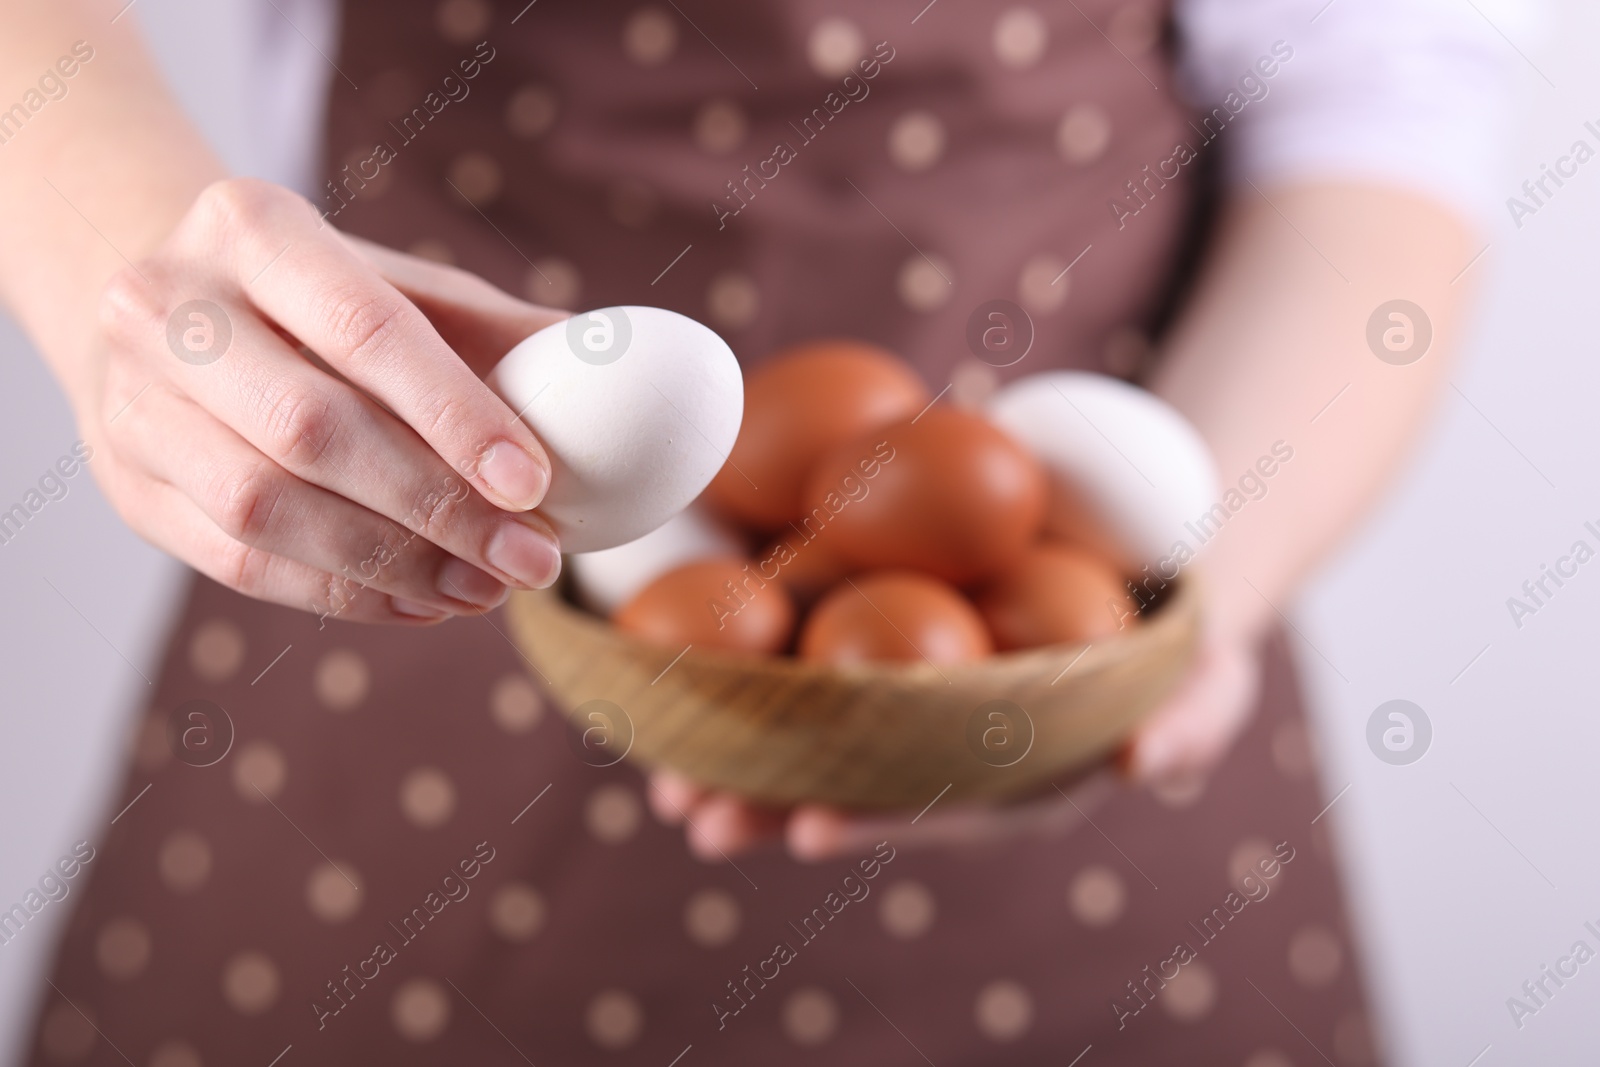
972,383
1269,1057
152,748
720,127
1291,750
614,1019
1135,27
1020,37
1353,1042
515,704
531,111
175,1054
613,814
1315,957
553,282
1004,1011
123,949
732,300
650,36
463,21
1084,134
916,141
1042,286
250,983
711,917
434,251
420,1010
834,46
427,797
907,910
810,1016
516,911
65,1034
925,282
333,891
478,177
1246,858
1098,896
1192,995
184,861
216,650
259,771
393,751
342,680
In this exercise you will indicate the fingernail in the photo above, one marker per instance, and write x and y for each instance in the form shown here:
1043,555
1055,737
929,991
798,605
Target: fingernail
528,555
513,473
460,580
415,610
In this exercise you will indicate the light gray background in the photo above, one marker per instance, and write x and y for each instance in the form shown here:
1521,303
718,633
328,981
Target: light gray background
1469,869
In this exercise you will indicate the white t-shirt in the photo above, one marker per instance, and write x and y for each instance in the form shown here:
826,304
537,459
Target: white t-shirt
1409,92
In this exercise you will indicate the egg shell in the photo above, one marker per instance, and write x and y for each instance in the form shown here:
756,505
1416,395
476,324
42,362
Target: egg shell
607,579
635,429
802,402
1127,469
946,492
806,566
693,605
1055,595
894,616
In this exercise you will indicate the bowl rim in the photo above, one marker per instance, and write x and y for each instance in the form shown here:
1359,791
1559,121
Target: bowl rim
1178,601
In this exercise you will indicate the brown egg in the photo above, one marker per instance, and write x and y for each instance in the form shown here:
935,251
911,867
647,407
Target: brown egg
718,603
797,406
946,492
807,567
894,616
1055,595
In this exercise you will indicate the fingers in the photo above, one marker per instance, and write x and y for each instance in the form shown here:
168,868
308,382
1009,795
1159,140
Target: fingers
331,436
673,797
255,501
1195,728
169,520
480,322
724,825
716,825
338,305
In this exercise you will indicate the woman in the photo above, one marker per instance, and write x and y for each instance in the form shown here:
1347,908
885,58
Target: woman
397,855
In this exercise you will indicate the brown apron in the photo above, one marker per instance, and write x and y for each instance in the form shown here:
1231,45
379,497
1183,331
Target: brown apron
399,856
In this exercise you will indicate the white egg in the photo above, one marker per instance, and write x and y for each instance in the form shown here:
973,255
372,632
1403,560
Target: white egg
1127,469
606,580
638,408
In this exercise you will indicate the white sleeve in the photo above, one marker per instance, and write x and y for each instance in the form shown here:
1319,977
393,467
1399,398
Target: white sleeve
293,43
1409,92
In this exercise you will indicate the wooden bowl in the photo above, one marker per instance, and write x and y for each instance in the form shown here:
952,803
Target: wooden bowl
881,736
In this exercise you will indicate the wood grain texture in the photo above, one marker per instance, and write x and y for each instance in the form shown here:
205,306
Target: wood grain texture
880,736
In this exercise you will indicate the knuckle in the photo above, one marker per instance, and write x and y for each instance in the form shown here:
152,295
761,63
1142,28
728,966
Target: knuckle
129,309
245,500
245,569
365,326
236,202
447,414
299,428
438,508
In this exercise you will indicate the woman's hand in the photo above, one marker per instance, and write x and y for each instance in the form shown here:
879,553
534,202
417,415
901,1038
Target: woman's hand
1185,737
300,415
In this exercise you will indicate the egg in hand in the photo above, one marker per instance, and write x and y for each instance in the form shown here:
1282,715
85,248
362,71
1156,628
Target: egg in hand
637,408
